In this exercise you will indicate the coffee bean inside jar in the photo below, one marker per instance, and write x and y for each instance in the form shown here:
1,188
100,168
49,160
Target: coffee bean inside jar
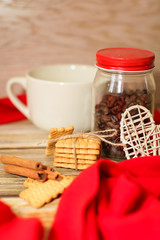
121,81
108,116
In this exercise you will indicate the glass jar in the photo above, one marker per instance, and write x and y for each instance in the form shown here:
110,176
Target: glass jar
124,78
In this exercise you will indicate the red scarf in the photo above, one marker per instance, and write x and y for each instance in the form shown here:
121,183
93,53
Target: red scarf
112,201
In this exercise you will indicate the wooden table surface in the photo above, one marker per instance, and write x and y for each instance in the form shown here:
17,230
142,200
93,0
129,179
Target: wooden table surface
23,139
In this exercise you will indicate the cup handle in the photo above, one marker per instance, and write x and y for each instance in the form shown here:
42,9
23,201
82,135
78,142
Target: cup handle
22,81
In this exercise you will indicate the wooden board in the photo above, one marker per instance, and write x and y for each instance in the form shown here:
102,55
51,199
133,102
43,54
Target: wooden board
20,139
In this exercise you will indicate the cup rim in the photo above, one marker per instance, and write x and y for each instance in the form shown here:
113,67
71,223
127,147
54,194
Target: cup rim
68,65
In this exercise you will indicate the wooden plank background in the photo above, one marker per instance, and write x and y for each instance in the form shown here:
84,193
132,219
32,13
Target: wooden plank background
25,136
39,32
22,139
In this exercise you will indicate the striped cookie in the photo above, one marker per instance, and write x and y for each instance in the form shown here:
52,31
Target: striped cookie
56,133
78,151
78,156
38,194
80,143
71,160
80,166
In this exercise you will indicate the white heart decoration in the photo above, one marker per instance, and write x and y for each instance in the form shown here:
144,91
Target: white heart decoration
139,134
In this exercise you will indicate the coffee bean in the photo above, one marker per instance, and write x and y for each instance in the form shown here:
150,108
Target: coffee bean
108,116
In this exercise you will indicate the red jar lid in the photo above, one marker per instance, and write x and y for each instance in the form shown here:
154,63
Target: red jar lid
125,59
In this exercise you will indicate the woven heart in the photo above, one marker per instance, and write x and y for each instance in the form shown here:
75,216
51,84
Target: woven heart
139,134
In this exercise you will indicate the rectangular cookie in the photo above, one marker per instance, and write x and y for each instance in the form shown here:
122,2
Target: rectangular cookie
78,151
80,143
71,160
71,165
79,156
37,194
56,133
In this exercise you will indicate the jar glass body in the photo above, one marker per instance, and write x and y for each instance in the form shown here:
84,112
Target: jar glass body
113,92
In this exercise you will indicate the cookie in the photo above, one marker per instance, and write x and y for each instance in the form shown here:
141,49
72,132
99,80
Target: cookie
38,194
78,151
56,133
78,156
72,160
80,143
72,165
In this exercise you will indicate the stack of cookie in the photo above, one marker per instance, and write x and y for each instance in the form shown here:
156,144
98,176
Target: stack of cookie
70,152
76,153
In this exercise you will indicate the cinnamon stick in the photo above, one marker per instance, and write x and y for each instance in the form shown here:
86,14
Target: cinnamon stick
48,168
26,163
51,175
26,172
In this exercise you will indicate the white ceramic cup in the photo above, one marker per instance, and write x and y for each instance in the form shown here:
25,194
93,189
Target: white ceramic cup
57,96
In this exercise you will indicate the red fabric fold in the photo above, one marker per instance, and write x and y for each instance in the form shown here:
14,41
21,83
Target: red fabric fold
8,112
112,201
16,228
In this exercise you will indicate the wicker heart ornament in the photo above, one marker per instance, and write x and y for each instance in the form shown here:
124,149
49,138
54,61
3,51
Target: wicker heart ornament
139,134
